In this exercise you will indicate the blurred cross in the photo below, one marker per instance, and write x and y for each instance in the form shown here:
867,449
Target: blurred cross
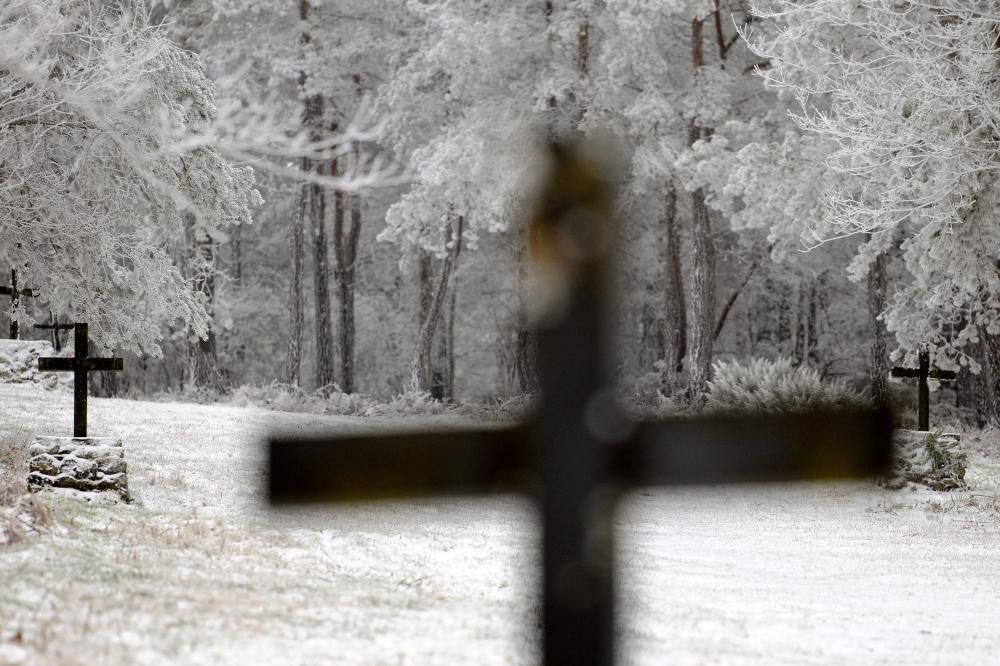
580,453
55,327
922,372
80,364
15,294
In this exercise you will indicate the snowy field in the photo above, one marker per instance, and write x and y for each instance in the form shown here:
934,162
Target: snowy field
196,571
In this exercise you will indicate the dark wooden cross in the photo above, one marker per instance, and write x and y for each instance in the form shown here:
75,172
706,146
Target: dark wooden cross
580,453
922,373
81,364
55,327
15,294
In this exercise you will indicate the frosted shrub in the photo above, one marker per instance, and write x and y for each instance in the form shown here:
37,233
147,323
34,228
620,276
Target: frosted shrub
502,410
410,403
776,386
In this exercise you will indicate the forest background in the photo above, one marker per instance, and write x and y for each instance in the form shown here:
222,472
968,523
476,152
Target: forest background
801,180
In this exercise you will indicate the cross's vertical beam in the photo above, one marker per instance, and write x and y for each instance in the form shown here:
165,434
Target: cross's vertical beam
570,241
923,393
81,342
15,300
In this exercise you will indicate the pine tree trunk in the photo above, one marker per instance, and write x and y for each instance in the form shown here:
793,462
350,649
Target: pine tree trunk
675,310
805,347
346,252
203,365
701,335
879,360
321,289
985,383
296,312
296,309
238,255
812,346
420,367
449,338
703,291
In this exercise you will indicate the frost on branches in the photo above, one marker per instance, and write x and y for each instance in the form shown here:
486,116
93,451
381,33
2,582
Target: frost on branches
905,95
94,107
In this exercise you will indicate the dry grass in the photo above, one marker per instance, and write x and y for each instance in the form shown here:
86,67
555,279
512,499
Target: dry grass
21,513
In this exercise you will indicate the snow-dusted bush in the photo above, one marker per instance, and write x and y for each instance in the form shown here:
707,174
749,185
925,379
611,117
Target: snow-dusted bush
931,459
648,396
776,386
505,410
410,403
288,398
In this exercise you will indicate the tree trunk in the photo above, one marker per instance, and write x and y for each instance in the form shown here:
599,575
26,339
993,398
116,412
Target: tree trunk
675,310
986,395
420,367
703,290
296,312
805,323
345,239
203,365
879,360
449,345
321,288
703,255
238,255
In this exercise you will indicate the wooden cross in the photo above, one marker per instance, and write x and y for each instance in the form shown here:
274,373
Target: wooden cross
15,299
922,373
580,453
55,327
80,365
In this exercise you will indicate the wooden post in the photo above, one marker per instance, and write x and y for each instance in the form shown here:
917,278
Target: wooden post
55,327
15,299
923,391
922,373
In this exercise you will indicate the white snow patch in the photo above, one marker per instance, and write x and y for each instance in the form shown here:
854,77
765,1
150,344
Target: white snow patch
19,363
197,571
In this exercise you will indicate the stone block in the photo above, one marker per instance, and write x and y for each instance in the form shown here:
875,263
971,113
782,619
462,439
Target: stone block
87,464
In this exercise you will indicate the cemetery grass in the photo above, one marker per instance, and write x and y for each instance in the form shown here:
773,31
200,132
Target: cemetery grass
198,571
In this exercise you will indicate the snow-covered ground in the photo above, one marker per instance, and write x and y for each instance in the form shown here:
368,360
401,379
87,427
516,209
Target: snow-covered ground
197,571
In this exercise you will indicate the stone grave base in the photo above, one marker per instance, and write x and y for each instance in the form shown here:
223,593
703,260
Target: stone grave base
86,464
932,459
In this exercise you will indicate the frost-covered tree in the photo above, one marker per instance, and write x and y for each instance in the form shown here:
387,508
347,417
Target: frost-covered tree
95,111
293,74
905,94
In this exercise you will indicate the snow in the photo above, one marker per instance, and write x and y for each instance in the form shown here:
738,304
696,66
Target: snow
197,571
19,363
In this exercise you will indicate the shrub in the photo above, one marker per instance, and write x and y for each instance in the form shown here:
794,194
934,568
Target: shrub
933,459
777,387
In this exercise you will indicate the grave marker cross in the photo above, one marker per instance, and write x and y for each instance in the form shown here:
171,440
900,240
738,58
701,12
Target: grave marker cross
15,299
580,452
55,327
81,364
922,372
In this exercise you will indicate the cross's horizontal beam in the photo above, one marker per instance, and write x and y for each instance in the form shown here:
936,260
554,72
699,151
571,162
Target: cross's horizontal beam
55,327
905,372
53,364
400,465
943,375
7,291
759,448
691,451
